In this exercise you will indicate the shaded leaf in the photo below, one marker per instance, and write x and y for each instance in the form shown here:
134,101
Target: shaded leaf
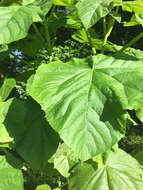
34,140
139,157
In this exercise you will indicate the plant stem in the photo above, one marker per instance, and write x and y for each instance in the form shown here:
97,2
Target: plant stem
89,39
133,41
47,36
104,26
111,25
69,187
37,31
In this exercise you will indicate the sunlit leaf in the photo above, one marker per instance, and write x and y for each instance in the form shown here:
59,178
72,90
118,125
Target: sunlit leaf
80,99
94,10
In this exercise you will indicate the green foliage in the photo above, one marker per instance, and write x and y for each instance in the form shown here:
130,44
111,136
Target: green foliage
6,87
16,21
119,168
68,94
97,78
29,132
43,187
91,12
64,159
11,178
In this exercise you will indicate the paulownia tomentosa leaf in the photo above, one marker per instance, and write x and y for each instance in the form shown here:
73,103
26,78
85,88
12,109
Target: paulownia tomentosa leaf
85,99
34,139
120,171
10,177
15,22
93,11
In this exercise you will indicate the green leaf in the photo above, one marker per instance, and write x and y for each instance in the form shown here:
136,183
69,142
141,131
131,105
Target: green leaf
4,136
80,99
10,178
117,17
5,87
14,160
120,171
133,6
4,52
93,11
139,157
33,42
117,2
137,53
10,2
43,187
45,5
26,2
81,36
135,20
67,3
34,140
139,113
15,22
64,159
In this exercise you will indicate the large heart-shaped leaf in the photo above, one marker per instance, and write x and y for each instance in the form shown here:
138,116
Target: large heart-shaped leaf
10,178
34,139
120,171
94,10
15,22
81,97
